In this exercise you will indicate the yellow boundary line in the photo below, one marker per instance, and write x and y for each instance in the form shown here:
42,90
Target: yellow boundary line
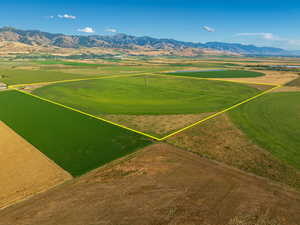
219,113
14,87
74,80
87,114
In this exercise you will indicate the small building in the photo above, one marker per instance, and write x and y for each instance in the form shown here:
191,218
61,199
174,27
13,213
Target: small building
3,86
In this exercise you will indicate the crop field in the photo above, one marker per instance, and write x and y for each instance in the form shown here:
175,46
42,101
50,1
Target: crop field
220,74
68,63
75,142
147,95
12,76
272,121
119,69
24,170
117,108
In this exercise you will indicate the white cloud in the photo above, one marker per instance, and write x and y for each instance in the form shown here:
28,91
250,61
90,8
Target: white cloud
66,16
267,36
112,30
87,30
269,39
51,17
209,29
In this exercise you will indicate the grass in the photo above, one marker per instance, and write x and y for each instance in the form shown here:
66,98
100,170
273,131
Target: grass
272,122
141,95
12,76
75,142
220,74
68,63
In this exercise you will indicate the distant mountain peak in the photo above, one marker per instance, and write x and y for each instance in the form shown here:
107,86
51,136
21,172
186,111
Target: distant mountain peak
125,41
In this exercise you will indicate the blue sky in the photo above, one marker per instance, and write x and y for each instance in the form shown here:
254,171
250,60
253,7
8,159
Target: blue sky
259,22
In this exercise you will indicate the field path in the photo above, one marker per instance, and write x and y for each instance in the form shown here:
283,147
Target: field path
24,171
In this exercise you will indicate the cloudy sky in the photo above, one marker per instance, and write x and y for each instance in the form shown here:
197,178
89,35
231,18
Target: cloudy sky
263,23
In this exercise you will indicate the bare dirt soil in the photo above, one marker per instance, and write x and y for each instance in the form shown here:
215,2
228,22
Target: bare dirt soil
24,171
271,77
220,140
156,124
160,185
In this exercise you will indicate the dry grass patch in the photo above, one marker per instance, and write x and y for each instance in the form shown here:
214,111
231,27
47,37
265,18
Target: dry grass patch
287,89
220,140
160,185
25,171
156,124
271,77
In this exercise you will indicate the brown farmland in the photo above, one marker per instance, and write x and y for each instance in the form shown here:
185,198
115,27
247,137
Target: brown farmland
160,185
25,171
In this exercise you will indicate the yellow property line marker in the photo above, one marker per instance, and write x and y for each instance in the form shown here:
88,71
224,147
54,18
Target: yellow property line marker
74,80
219,113
14,87
87,114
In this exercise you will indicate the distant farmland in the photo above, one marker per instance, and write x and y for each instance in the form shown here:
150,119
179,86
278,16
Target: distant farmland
11,76
219,74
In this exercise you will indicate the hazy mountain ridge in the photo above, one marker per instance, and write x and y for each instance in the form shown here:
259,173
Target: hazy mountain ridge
39,38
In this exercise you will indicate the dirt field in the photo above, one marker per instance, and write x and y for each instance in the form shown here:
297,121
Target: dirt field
272,77
220,140
160,185
24,170
156,124
287,89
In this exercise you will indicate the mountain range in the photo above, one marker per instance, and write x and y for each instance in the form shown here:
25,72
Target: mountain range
132,43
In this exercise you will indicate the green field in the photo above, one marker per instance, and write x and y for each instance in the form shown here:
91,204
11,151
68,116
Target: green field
68,63
12,76
273,122
220,74
147,95
75,142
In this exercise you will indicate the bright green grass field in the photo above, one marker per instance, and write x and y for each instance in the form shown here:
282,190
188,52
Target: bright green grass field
147,95
273,122
75,142
34,76
220,74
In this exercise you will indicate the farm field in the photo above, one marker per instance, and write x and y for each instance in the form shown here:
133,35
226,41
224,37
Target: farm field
24,170
125,69
220,74
161,184
147,95
124,100
68,63
272,122
75,142
12,76
24,72
221,140
143,94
